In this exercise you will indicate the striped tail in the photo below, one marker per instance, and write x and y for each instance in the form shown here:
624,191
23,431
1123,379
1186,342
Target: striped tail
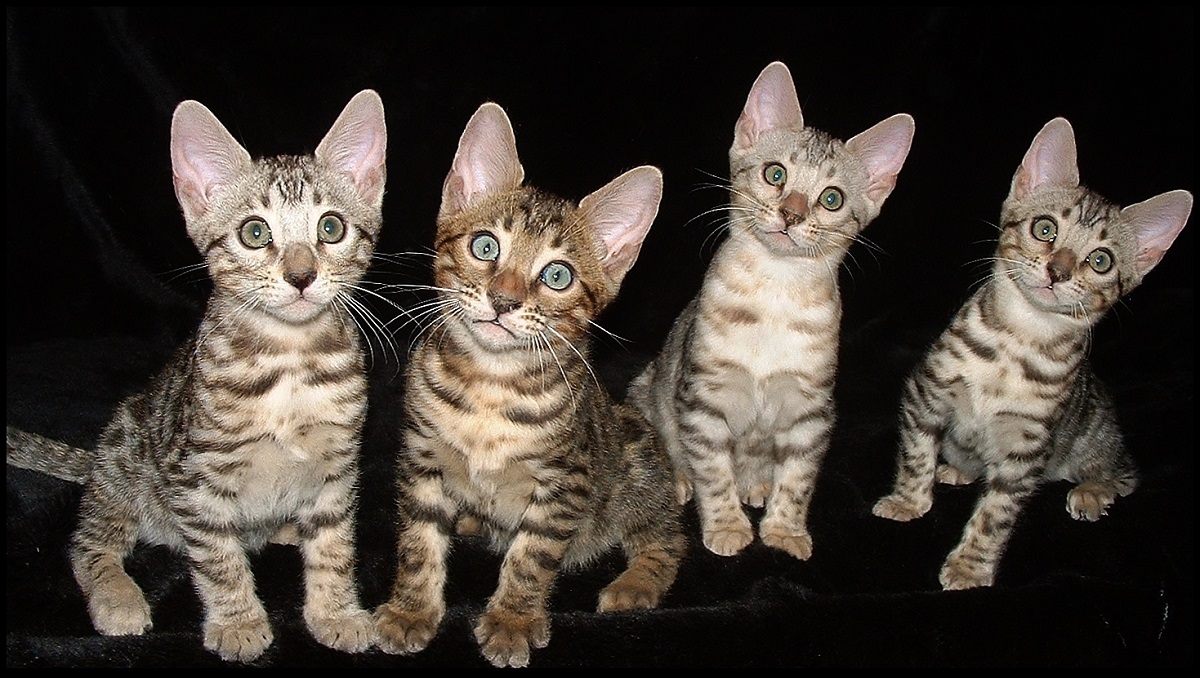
41,454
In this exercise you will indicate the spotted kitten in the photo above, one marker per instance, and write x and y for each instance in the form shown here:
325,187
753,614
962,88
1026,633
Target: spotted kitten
508,431
1006,393
742,391
253,428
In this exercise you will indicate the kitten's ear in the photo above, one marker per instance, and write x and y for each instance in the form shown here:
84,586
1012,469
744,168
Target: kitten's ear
1156,223
772,104
357,145
204,157
486,161
1050,161
622,212
883,149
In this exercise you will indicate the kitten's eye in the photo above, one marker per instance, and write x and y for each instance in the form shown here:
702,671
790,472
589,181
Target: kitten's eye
255,234
832,199
1044,229
557,276
1101,260
775,174
485,247
331,229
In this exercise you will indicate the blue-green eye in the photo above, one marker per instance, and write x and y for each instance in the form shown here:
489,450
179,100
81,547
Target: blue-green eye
255,234
485,247
331,229
832,199
557,275
1044,229
1101,260
775,174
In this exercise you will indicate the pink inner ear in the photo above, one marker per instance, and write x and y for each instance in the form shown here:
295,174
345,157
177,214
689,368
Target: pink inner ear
357,144
1157,222
1050,161
204,155
622,212
486,160
771,104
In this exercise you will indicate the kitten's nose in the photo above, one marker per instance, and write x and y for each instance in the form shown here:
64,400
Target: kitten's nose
299,266
501,303
794,208
1061,265
506,292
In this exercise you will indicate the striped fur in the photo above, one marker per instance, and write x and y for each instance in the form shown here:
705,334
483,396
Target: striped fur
742,391
253,428
1006,393
509,434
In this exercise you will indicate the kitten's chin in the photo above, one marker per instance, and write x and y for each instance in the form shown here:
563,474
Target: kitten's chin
297,312
781,243
492,336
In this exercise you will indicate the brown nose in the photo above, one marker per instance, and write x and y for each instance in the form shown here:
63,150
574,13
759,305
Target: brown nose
1061,265
299,266
794,208
506,292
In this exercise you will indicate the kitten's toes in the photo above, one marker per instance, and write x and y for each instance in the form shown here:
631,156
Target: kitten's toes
961,573
952,475
1088,501
728,541
353,631
898,508
797,543
241,641
757,496
402,631
506,638
683,490
120,609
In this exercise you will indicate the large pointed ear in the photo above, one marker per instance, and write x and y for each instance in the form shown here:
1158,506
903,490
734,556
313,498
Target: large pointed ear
485,162
1050,161
357,145
204,157
883,149
1156,223
622,212
772,104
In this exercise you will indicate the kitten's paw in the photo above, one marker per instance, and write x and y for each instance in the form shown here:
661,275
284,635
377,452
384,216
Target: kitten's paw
683,490
630,591
505,638
797,543
468,526
727,541
403,631
756,496
286,535
352,631
952,475
895,507
120,609
241,640
1088,501
960,573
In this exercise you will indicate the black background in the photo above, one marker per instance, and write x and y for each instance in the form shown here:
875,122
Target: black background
102,283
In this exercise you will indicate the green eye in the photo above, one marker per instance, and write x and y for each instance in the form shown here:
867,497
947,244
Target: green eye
485,247
255,234
557,276
775,174
1101,260
331,229
832,199
1044,229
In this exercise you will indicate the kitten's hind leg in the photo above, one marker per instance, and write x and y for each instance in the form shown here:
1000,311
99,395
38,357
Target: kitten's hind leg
952,475
107,532
1089,500
920,435
653,563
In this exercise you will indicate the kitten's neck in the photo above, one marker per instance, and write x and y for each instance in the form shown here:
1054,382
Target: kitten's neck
329,330
1015,311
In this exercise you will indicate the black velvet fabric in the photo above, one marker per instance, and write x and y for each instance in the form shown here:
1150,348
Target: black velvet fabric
102,282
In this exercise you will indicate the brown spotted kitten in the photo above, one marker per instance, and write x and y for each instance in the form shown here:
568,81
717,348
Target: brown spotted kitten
742,391
508,432
1006,394
253,428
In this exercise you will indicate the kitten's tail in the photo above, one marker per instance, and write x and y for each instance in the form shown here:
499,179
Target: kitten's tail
38,453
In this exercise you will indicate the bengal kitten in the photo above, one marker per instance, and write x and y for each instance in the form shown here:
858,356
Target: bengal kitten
1006,394
253,427
508,430
742,391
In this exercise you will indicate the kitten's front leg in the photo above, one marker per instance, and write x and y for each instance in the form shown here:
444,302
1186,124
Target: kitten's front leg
408,621
235,623
800,450
974,561
517,619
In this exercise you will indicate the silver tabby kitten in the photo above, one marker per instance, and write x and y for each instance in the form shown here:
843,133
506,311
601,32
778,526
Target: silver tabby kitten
509,434
1006,393
742,392
252,430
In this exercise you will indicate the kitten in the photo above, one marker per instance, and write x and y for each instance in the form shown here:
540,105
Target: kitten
1006,393
742,391
508,430
253,428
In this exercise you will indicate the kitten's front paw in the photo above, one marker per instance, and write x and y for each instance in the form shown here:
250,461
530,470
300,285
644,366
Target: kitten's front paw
352,631
960,573
120,609
952,475
242,640
728,540
1089,501
506,638
895,507
795,542
403,631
